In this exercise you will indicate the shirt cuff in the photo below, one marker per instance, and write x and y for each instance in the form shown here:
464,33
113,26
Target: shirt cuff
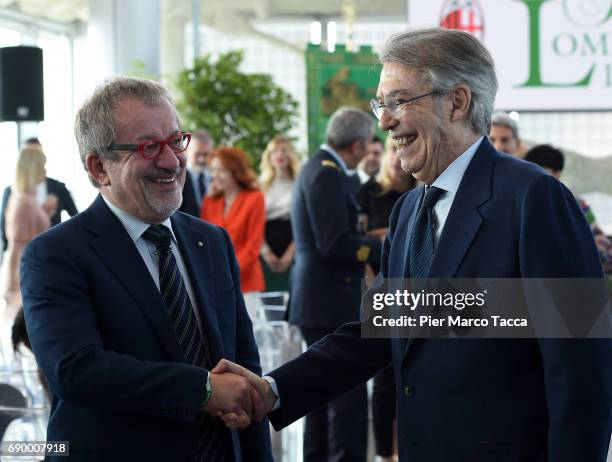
274,388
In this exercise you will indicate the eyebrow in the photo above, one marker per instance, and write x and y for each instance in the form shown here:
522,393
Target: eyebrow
153,137
395,93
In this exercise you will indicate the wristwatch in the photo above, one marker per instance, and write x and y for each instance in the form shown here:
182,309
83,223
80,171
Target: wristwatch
207,391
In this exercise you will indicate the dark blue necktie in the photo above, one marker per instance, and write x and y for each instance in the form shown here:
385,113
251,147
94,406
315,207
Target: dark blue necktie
213,442
422,242
201,185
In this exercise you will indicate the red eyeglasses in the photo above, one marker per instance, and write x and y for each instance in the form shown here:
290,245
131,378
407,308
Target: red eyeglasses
150,149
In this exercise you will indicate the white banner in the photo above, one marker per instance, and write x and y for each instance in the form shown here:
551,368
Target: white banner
549,54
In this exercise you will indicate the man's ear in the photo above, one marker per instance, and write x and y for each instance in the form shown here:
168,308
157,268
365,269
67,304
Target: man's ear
461,97
359,146
97,169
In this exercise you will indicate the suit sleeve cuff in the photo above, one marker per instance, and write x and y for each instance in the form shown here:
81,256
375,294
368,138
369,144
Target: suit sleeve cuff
274,388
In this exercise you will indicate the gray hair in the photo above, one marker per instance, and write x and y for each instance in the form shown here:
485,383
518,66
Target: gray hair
504,120
447,58
202,135
347,125
94,124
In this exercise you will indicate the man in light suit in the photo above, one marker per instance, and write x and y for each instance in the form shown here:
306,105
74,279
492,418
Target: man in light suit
129,305
461,399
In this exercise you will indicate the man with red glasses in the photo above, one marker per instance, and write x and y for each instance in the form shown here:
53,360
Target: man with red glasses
130,304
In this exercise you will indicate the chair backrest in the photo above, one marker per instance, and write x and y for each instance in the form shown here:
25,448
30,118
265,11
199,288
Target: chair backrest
10,397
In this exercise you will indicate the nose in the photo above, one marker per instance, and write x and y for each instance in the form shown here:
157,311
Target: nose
387,120
169,160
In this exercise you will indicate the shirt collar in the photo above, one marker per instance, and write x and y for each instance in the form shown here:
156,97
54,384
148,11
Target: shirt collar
134,226
336,156
196,168
451,177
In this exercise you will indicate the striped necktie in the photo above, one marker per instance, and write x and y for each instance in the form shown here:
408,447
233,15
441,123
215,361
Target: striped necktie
213,440
422,243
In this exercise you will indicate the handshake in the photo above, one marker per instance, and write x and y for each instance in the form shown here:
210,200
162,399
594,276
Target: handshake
238,395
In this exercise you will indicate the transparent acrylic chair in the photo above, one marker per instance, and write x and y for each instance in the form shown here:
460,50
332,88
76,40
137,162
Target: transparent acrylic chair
278,343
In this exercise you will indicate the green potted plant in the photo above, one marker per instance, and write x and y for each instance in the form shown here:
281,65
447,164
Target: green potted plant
238,109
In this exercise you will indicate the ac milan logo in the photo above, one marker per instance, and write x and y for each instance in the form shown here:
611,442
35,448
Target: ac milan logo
465,15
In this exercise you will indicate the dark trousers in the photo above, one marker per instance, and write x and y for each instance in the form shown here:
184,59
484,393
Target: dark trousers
383,411
338,431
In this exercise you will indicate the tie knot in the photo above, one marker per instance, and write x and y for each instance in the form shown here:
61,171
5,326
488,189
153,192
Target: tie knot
431,197
160,235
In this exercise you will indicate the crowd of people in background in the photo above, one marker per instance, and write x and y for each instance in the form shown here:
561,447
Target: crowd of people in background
29,206
339,205
254,207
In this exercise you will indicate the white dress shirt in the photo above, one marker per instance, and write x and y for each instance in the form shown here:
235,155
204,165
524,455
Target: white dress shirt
147,249
449,180
41,192
278,199
194,172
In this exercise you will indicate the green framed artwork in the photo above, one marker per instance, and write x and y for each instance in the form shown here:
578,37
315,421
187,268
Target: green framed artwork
341,78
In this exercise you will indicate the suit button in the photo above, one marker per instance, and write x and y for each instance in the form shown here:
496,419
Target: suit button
347,280
408,391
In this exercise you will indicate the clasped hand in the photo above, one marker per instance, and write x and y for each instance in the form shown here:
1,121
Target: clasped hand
238,395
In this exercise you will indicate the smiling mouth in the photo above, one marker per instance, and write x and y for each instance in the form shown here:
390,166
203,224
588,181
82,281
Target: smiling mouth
163,180
404,141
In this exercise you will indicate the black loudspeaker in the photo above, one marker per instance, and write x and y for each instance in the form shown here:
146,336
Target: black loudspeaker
21,84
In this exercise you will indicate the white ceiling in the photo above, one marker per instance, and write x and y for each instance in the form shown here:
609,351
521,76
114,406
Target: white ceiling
221,11
56,10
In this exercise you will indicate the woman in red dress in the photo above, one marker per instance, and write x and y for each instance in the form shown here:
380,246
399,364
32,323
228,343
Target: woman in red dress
236,204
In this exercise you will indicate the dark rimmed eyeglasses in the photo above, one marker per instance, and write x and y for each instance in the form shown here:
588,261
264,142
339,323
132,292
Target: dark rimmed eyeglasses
150,149
394,104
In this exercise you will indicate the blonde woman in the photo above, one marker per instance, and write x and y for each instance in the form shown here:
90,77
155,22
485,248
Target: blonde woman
279,169
378,196
24,217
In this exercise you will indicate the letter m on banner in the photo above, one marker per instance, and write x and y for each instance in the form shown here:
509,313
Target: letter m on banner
465,15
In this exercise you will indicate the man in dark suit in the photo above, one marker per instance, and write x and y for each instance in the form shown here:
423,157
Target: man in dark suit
482,214
369,167
198,176
50,187
331,252
129,305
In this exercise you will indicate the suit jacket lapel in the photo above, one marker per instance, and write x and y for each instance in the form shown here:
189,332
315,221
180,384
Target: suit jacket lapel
464,219
459,231
116,250
195,250
462,223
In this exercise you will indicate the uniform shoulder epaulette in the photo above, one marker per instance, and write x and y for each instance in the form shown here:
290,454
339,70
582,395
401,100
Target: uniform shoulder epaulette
330,163
363,253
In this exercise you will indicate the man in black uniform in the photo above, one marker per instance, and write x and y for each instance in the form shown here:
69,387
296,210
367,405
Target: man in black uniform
331,253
